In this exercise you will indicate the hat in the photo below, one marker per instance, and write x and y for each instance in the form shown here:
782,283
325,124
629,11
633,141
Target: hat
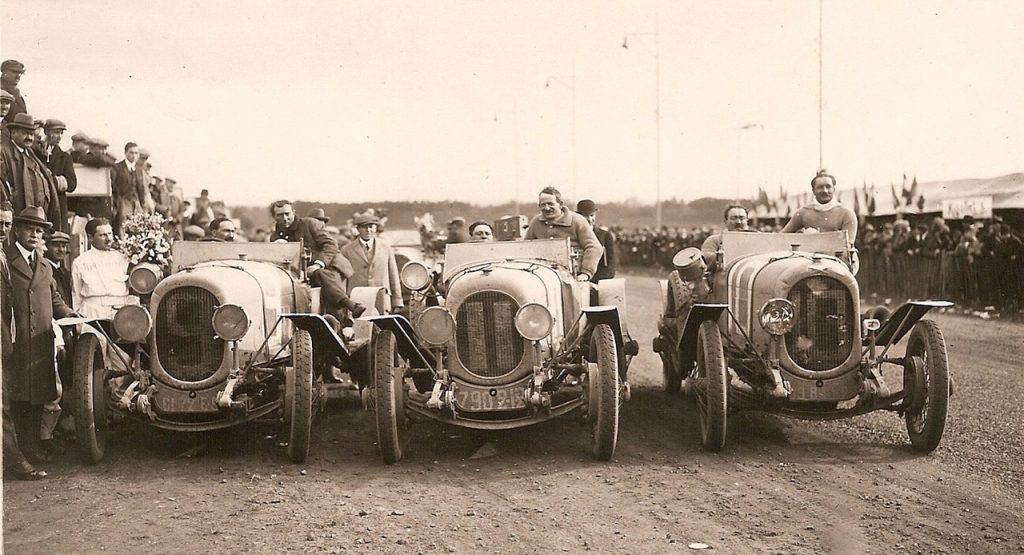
319,214
23,121
12,65
38,123
143,153
97,141
458,220
79,137
32,215
193,230
4,95
58,237
54,124
365,219
586,207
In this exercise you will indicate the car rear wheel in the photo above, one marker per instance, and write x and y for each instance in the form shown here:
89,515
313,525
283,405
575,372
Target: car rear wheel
711,386
389,394
604,394
299,396
927,421
89,400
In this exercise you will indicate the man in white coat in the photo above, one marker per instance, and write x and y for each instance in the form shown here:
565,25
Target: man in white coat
373,261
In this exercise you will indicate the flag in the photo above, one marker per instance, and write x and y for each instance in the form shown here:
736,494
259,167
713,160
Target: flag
895,197
783,194
908,198
871,201
920,203
856,202
762,197
913,188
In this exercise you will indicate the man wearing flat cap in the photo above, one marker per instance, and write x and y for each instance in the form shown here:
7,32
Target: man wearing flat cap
30,377
60,163
6,102
606,266
98,157
373,260
26,179
10,77
79,146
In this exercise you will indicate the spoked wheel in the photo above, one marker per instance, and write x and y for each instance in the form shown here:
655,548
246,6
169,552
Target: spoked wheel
711,386
299,396
604,394
89,402
926,419
389,393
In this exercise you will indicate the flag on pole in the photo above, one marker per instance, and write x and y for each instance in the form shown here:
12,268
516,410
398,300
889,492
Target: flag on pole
895,197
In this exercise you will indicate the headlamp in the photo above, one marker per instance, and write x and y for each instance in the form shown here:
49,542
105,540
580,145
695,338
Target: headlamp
132,323
778,316
230,322
435,326
534,321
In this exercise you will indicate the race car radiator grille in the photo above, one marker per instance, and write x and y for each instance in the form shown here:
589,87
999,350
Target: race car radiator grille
825,320
187,347
486,337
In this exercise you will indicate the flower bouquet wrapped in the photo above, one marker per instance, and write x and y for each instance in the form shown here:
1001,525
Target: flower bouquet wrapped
144,239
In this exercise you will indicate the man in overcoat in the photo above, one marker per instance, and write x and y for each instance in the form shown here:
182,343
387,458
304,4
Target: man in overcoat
373,261
30,377
27,180
60,163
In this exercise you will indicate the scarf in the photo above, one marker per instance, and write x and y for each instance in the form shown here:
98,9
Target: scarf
825,207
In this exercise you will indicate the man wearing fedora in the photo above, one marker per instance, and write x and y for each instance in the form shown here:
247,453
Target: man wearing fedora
373,260
10,77
606,265
327,268
26,178
30,377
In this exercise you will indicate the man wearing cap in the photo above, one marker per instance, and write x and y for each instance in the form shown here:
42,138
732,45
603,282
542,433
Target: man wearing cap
99,276
60,163
327,268
10,77
606,265
373,260
556,221
130,186
457,231
30,376
27,180
6,102
319,214
98,157
56,254
79,147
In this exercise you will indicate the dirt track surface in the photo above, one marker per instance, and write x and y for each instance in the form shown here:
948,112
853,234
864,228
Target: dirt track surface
781,486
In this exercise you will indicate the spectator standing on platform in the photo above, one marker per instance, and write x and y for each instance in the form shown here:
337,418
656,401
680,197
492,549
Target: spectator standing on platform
26,179
60,163
10,77
97,157
129,185
606,266
6,102
557,221
79,147
31,374
99,276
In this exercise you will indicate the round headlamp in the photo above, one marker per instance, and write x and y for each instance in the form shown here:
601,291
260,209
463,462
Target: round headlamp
415,276
435,326
144,278
533,321
778,316
132,323
230,322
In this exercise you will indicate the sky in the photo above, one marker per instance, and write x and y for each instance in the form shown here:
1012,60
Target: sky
487,101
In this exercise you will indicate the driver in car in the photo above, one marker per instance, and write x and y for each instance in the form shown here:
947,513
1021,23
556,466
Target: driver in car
735,220
825,214
555,221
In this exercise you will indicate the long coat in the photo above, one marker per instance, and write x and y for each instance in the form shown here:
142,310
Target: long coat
30,376
377,268
29,178
130,190
61,164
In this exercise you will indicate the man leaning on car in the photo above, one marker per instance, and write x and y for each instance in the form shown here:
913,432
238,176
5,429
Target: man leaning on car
555,221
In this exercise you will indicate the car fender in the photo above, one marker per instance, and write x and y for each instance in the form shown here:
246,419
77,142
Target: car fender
326,342
405,338
114,357
686,343
605,315
901,321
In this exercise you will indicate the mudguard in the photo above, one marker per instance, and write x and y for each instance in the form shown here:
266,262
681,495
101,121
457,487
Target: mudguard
114,357
326,342
901,321
408,347
699,313
606,315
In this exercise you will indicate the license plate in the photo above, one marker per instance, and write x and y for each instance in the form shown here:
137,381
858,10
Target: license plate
165,401
484,399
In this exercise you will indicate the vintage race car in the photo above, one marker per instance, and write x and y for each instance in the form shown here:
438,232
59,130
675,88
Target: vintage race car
778,328
502,337
232,335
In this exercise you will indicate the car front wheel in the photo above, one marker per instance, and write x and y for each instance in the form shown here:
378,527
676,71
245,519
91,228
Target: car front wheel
926,420
299,396
89,400
389,394
604,394
711,386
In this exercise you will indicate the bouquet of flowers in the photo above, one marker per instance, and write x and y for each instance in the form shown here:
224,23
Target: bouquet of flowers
145,239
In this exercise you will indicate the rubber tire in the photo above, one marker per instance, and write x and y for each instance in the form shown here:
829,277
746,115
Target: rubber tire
925,427
89,400
301,392
711,387
389,394
670,372
604,422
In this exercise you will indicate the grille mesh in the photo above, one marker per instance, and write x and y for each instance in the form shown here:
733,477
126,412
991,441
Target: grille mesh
824,331
488,343
188,348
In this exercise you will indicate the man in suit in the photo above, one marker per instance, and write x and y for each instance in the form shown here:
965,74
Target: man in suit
79,147
129,185
27,180
56,254
10,76
606,265
60,163
97,157
373,261
31,380
326,268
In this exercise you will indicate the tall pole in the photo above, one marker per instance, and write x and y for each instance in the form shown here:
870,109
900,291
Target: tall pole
657,123
821,157
574,197
515,152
